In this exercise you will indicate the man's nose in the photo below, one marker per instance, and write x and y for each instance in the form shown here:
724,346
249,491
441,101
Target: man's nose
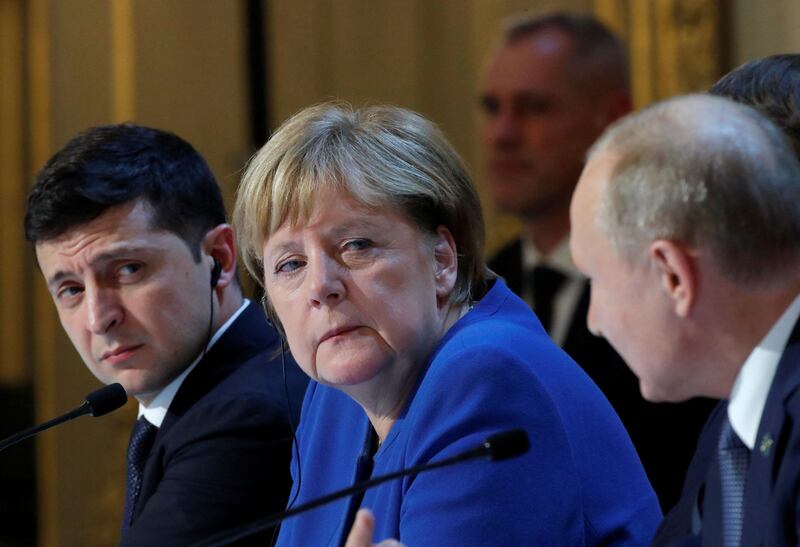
105,311
503,128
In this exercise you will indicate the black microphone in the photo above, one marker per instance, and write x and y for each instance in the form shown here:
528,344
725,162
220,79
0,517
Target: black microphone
97,403
497,447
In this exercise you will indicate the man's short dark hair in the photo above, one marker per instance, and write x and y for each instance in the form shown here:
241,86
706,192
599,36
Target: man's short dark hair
597,52
770,85
112,165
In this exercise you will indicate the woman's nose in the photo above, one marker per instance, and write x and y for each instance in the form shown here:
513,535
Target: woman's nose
324,281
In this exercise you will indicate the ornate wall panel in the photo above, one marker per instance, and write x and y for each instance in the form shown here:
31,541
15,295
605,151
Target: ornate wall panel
675,45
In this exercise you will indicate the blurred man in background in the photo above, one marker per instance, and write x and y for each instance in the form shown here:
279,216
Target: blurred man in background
549,90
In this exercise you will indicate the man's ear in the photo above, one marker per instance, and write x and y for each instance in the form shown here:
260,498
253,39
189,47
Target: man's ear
676,268
219,245
445,263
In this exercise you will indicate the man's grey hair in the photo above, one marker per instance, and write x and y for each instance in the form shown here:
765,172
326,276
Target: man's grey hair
709,173
599,57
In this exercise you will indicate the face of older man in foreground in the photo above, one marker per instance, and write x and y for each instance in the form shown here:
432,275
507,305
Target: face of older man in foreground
681,225
629,307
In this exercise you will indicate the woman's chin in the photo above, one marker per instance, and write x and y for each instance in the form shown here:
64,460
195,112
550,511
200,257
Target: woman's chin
352,363
352,372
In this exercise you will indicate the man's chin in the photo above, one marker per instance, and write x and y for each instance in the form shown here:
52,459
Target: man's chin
136,386
657,393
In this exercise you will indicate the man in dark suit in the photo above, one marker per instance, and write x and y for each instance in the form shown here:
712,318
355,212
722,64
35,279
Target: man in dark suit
772,86
129,231
687,221
550,89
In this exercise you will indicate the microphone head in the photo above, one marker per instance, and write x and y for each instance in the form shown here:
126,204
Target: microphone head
507,444
106,399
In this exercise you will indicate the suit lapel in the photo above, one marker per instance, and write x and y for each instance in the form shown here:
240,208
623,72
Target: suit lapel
247,336
773,432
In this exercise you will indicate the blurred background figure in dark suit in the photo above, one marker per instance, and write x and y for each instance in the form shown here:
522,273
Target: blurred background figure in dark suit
549,90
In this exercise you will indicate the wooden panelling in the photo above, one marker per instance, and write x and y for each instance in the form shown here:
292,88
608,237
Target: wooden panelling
14,370
176,65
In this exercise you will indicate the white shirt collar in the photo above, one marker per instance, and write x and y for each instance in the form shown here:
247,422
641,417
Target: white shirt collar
751,388
567,297
157,409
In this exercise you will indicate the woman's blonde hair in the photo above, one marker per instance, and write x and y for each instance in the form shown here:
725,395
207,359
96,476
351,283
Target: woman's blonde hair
382,156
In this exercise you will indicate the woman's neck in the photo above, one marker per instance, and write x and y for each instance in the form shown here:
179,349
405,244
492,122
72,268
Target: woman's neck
384,401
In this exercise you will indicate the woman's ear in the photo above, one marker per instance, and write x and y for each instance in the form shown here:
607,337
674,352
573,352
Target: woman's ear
445,265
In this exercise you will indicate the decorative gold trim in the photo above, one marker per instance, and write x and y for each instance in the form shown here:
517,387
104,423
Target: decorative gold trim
674,44
123,77
44,335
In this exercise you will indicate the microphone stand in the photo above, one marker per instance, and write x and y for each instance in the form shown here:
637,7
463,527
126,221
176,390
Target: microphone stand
498,447
97,403
85,408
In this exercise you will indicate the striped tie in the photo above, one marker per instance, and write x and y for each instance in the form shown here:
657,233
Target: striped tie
733,459
142,437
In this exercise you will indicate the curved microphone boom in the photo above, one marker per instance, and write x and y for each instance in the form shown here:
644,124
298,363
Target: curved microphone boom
97,403
497,447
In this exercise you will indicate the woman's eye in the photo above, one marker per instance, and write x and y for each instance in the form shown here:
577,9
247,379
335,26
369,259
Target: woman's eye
288,266
357,244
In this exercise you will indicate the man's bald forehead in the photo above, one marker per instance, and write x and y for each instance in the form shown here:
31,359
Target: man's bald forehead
594,52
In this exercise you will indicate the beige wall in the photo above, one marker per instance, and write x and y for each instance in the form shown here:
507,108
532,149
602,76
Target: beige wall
763,28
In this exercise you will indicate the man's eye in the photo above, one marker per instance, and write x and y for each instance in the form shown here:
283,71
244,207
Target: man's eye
69,292
489,105
533,107
129,269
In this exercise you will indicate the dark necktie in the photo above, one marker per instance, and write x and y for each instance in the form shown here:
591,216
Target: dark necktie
138,447
733,459
544,283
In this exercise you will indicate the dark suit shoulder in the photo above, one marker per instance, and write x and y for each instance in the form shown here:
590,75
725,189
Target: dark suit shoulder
221,457
677,526
247,359
507,263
